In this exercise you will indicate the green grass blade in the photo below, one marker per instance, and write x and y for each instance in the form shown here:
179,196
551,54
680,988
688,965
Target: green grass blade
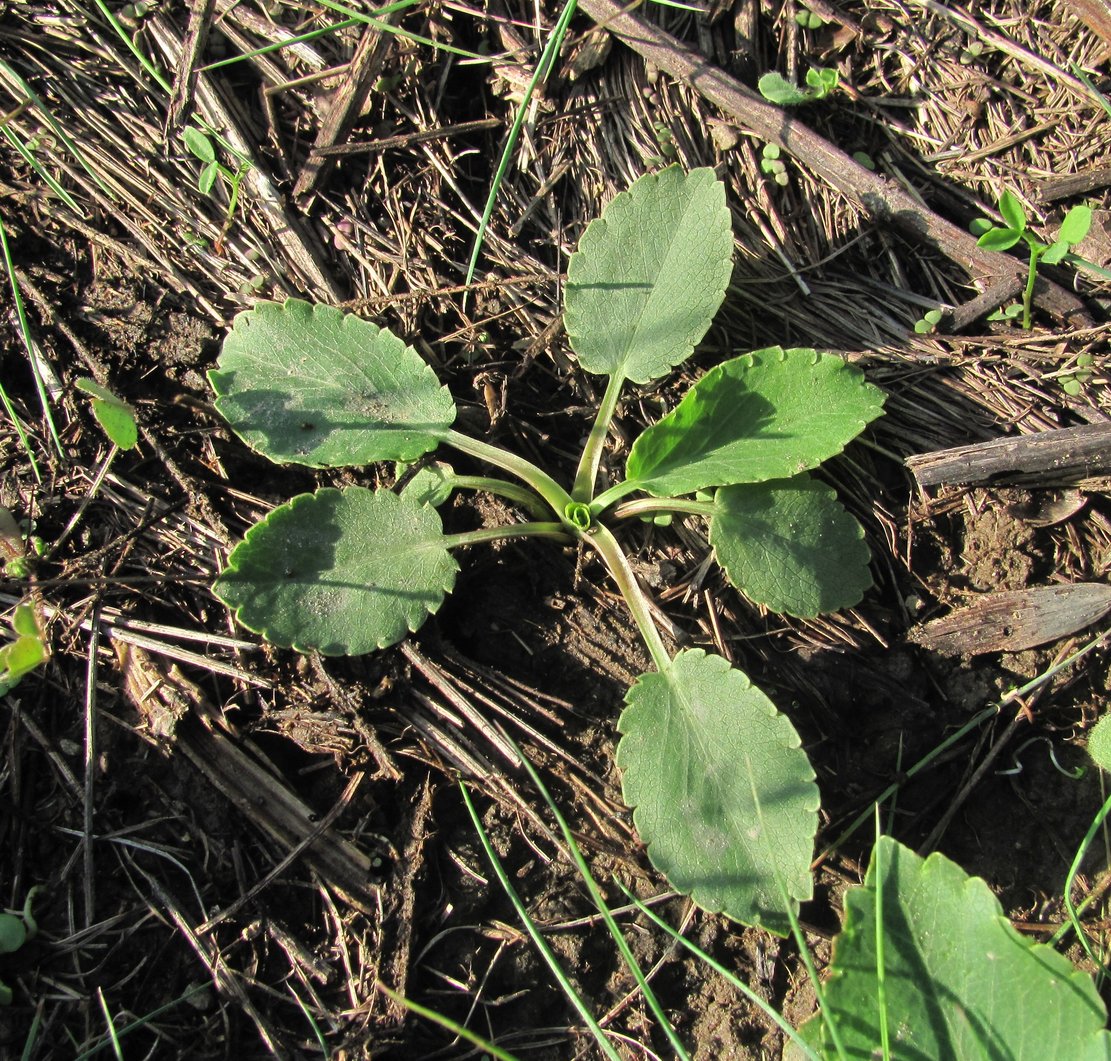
113,1038
1074,869
278,45
25,332
881,967
730,977
317,1033
55,127
28,156
447,1023
132,47
142,1022
603,909
538,940
543,68
373,20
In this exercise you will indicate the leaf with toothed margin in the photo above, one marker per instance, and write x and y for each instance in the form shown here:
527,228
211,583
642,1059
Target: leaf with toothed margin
766,415
723,794
309,384
959,981
649,275
789,544
340,571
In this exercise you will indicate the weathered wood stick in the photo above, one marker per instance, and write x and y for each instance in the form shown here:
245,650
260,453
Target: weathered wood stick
1065,455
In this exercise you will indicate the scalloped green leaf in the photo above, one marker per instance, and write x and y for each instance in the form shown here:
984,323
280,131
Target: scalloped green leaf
766,415
340,571
790,545
960,981
723,794
309,384
649,275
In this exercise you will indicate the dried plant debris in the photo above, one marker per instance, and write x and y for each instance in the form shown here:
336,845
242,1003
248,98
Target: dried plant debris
1016,620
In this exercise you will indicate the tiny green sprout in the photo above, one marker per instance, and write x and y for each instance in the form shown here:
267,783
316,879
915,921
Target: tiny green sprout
865,160
665,140
1015,229
15,930
773,165
928,322
808,19
704,754
1072,382
820,82
114,415
202,146
970,54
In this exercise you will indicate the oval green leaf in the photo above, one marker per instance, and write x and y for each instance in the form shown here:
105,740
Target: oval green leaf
115,416
649,275
959,980
1075,225
766,415
308,384
1011,211
999,239
340,571
789,544
723,794
1099,743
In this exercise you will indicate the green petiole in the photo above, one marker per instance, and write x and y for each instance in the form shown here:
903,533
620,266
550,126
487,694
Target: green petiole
587,473
498,534
650,506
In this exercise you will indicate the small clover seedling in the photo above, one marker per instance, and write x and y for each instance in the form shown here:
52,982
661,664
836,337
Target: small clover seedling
1073,229
820,82
21,656
723,794
928,322
201,146
773,165
808,19
15,930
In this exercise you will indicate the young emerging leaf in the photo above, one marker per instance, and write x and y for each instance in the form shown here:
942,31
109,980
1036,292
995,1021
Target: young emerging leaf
1055,252
723,794
113,414
649,275
199,144
960,982
775,88
999,239
1075,225
1012,212
311,385
789,545
766,415
344,572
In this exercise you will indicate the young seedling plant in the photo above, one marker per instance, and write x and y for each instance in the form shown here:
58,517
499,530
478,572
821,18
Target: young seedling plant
722,792
1003,237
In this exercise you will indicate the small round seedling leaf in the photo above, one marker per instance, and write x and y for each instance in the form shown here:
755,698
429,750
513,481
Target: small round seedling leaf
789,545
1075,225
723,794
13,933
344,572
1099,743
649,275
999,239
308,384
115,416
959,980
766,415
1011,211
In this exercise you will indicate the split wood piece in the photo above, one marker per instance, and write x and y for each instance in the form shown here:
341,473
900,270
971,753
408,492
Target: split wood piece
196,36
1017,620
1096,15
303,253
167,702
1065,455
1071,184
362,72
881,199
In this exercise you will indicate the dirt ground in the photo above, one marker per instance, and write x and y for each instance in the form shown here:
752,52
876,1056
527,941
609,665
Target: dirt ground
236,844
